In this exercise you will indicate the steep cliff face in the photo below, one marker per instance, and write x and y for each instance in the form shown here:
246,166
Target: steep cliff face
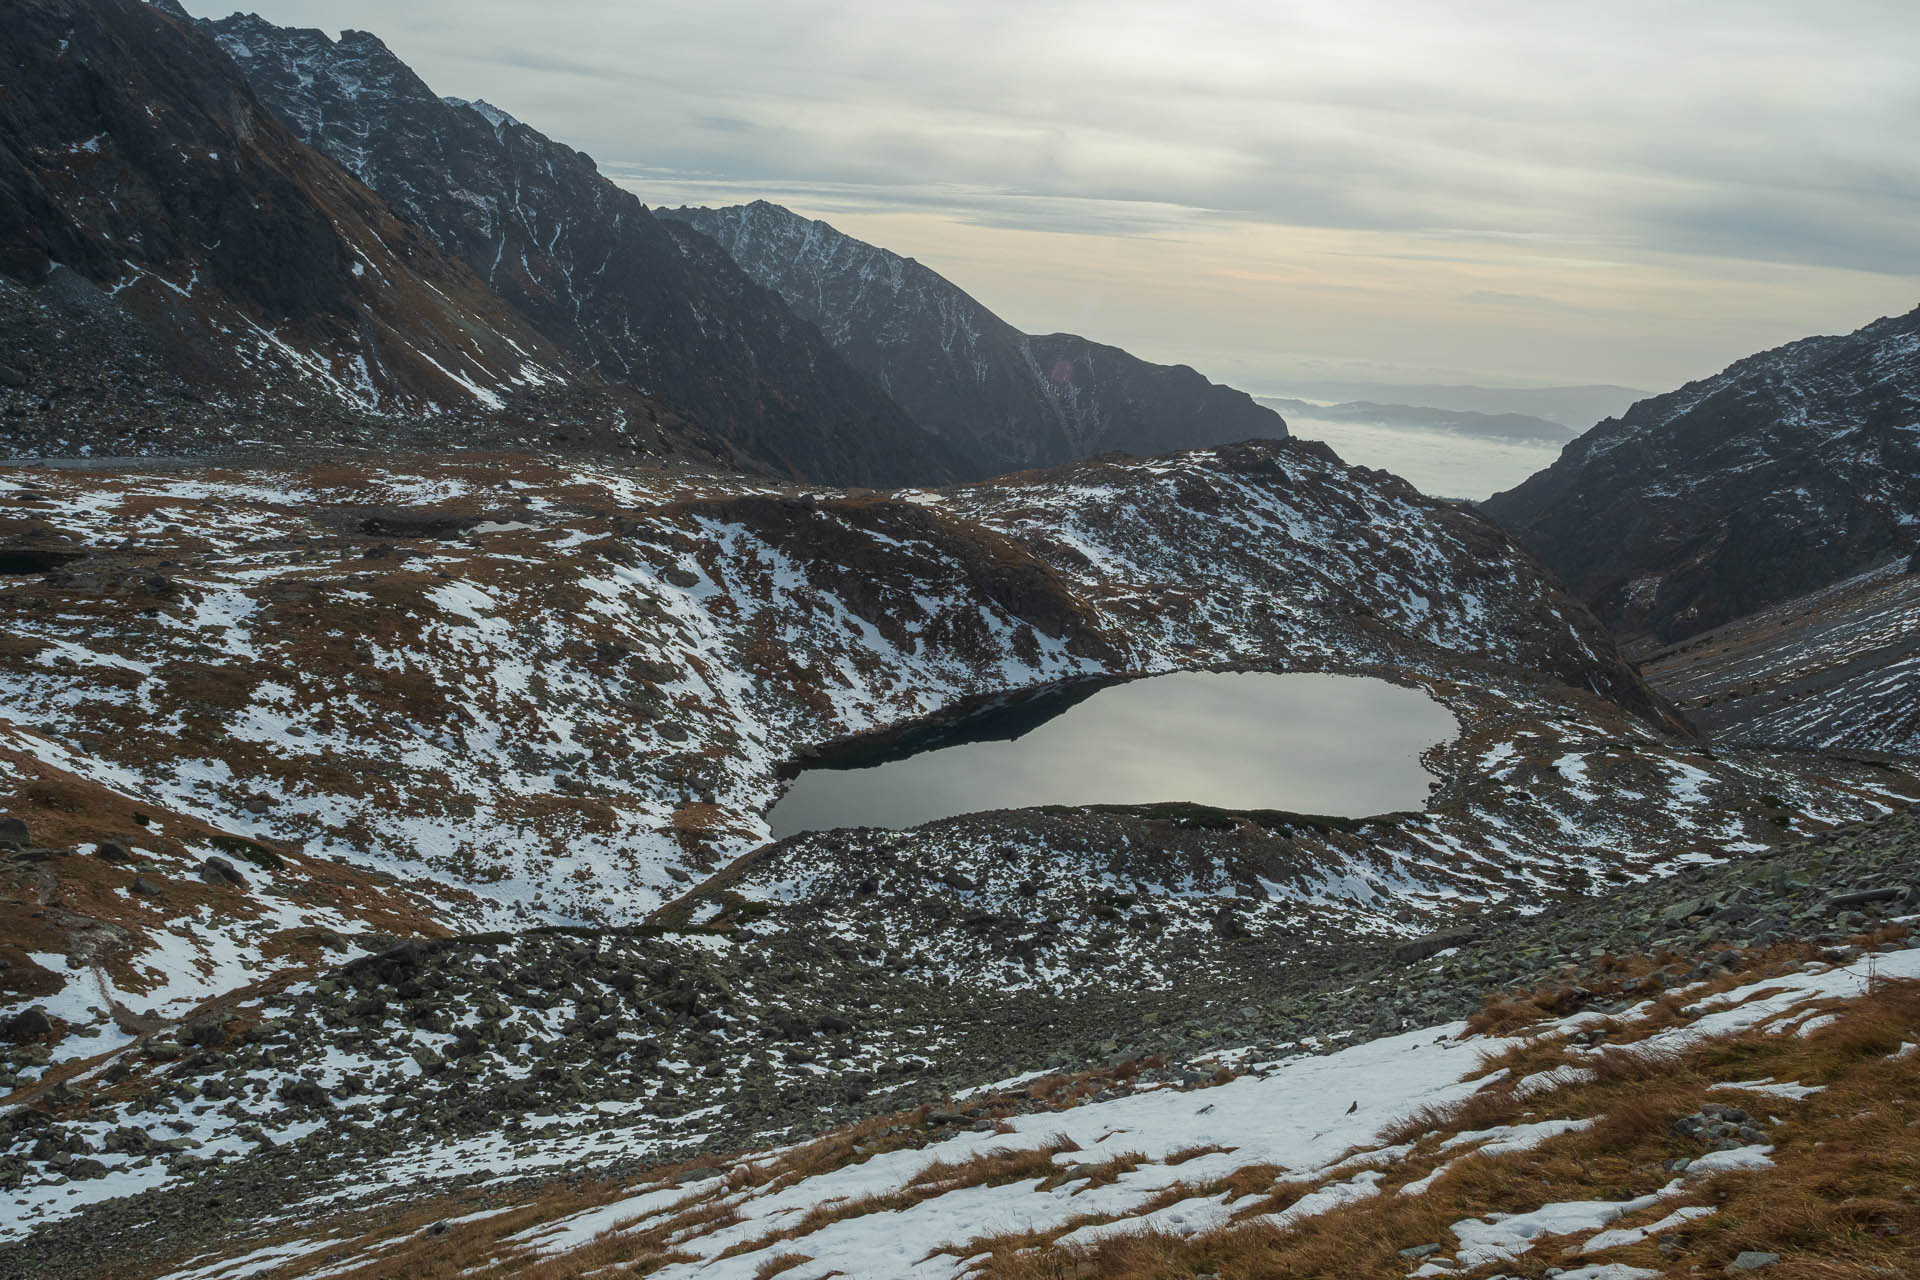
586,262
144,187
963,372
1786,473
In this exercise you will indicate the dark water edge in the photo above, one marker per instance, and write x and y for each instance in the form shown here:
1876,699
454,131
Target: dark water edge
1342,745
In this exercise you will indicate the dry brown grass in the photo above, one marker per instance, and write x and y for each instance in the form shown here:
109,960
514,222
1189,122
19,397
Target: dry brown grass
1842,1201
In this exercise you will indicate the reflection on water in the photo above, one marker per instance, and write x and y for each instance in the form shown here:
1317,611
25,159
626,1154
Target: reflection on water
1323,744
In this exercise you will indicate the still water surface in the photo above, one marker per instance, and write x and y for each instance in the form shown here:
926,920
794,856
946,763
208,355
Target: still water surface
1324,744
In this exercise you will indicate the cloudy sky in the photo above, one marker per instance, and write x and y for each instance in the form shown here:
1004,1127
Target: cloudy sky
1419,190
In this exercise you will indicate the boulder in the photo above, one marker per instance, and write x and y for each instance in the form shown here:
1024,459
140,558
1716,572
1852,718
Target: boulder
394,965
1752,1260
1418,949
1866,897
28,1024
219,871
305,1093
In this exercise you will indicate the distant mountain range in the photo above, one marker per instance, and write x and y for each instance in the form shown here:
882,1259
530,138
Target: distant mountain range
1011,398
1493,426
1578,407
1787,472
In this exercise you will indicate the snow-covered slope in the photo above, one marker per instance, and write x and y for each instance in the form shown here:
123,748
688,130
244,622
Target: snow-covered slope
575,679
568,692
1016,399
1786,473
1599,1125
1836,668
585,262
1268,1151
1163,1160
537,711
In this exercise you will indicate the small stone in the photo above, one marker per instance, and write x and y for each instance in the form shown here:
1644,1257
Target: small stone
145,887
1753,1260
1419,1251
112,851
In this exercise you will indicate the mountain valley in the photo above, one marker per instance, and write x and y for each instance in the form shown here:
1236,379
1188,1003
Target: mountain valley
424,568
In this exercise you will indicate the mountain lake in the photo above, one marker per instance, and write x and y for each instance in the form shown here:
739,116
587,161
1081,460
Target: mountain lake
1343,746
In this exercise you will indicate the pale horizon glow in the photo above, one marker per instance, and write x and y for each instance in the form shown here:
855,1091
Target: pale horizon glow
1386,190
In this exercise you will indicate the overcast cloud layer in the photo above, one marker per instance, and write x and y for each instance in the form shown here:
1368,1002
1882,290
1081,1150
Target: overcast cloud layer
1633,192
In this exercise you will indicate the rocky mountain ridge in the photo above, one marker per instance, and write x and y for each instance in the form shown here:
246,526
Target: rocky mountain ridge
586,263
1788,472
1017,399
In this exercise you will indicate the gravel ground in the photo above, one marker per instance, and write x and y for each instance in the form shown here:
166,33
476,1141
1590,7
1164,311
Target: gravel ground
431,1045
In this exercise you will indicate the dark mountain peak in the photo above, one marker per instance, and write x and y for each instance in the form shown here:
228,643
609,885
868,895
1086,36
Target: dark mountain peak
963,372
1782,474
370,45
586,262
136,158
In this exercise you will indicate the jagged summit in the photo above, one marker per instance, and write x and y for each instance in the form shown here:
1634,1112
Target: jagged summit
963,372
